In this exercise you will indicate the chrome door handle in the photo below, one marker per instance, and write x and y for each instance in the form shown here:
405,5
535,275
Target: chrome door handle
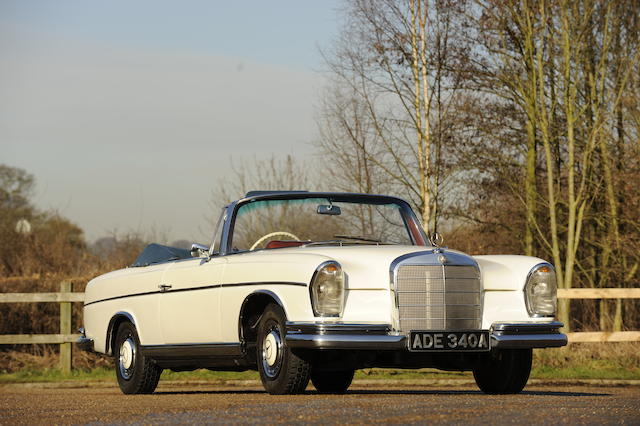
164,287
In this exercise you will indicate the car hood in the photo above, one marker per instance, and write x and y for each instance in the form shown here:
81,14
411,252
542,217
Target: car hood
365,266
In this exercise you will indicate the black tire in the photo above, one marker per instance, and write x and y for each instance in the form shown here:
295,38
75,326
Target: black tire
281,371
136,373
504,372
332,381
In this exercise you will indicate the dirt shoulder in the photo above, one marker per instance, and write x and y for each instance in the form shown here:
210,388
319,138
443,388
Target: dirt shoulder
362,383
386,403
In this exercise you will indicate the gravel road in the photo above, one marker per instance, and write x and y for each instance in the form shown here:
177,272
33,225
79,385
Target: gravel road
363,404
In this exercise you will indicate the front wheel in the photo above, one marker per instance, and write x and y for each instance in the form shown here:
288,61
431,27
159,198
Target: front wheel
506,371
332,381
281,371
136,373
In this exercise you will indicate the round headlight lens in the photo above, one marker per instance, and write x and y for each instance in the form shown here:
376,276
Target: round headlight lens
540,291
327,290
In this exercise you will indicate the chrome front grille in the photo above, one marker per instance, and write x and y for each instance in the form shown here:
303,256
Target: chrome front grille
437,297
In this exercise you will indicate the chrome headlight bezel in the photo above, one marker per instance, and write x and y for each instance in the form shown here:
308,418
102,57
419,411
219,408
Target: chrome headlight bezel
540,291
327,290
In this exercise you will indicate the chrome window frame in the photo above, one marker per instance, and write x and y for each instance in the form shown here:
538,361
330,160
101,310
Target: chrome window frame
232,209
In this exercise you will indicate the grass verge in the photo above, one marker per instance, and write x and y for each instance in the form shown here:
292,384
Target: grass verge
578,361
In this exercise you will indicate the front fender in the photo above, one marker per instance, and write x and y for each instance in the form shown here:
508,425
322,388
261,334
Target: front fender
115,322
505,272
503,281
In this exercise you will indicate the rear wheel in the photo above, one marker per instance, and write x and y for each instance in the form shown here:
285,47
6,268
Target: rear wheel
506,371
332,381
136,373
281,371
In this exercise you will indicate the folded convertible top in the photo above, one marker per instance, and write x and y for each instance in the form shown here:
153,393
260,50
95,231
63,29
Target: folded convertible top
156,253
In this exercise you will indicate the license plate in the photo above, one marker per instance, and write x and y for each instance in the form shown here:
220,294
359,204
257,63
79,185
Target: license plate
472,341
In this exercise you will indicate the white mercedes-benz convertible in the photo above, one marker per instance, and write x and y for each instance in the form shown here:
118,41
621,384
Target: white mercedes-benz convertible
302,285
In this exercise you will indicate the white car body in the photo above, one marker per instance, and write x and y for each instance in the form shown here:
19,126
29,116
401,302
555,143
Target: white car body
193,312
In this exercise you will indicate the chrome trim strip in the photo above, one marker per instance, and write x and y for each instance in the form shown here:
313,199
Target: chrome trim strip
225,244
528,335
207,287
322,328
346,341
411,305
528,341
306,335
438,292
437,318
110,328
257,293
192,351
221,220
501,328
122,297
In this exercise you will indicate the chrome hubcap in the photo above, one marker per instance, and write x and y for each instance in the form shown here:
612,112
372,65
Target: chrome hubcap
270,349
272,352
126,360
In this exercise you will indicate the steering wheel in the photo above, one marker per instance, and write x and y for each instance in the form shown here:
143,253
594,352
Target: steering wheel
270,235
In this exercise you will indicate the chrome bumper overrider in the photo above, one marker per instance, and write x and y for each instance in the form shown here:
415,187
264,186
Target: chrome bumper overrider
381,336
527,335
84,343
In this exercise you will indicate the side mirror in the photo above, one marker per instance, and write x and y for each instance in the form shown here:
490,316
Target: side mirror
199,250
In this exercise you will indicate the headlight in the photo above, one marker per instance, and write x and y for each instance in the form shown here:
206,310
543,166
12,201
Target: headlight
327,290
540,291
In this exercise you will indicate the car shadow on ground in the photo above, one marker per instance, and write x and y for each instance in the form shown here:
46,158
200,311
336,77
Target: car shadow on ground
388,392
210,392
467,392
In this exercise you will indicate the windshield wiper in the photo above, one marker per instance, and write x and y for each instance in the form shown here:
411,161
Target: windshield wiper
320,243
348,237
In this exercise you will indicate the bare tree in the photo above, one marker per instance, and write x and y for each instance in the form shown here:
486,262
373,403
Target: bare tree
384,121
516,121
263,174
552,61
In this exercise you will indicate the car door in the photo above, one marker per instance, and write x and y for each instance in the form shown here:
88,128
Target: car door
189,303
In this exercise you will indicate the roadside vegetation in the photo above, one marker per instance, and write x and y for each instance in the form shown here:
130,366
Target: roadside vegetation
611,361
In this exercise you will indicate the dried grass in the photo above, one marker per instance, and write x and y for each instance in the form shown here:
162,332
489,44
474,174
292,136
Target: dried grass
46,357
623,355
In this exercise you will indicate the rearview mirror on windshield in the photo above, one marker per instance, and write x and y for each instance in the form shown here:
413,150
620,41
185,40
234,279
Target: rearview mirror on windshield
328,209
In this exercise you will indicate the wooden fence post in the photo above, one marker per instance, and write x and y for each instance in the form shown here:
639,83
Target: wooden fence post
65,328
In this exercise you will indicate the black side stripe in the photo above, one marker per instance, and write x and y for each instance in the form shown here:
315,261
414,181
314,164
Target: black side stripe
207,287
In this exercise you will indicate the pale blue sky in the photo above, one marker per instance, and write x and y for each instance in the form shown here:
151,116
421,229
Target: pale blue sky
276,32
127,112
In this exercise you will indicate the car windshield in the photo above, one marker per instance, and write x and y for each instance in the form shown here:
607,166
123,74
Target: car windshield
280,223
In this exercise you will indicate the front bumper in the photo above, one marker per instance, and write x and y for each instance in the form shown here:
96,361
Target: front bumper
382,337
343,336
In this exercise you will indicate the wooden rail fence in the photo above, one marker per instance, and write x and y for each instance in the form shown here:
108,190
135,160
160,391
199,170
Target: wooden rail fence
601,293
65,338
66,297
